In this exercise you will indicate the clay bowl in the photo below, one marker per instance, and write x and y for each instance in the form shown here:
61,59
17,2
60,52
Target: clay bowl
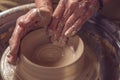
42,60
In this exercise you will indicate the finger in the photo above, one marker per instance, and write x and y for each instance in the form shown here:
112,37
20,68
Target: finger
58,13
28,19
33,17
73,18
73,29
77,25
14,43
70,6
16,36
59,30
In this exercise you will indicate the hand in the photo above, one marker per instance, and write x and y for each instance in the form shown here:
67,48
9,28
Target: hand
70,15
36,17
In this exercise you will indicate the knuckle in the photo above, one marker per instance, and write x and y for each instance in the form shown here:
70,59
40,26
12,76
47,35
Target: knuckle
34,10
68,24
56,18
74,27
11,42
20,19
61,4
60,24
73,3
23,21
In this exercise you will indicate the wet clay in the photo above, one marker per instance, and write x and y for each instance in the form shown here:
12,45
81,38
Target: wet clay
38,48
85,69
40,59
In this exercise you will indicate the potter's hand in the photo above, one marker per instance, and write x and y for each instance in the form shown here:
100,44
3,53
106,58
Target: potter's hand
39,16
70,15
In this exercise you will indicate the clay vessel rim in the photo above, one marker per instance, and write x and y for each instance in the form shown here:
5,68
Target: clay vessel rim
57,67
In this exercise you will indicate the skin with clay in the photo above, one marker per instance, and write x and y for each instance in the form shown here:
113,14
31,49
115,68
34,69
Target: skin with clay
63,22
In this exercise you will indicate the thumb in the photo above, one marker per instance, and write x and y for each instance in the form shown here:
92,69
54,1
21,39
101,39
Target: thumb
28,19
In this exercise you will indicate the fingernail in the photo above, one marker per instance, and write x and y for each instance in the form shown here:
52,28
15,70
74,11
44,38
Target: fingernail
67,33
73,33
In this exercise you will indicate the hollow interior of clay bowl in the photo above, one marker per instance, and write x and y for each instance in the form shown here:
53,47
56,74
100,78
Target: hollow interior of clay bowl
37,48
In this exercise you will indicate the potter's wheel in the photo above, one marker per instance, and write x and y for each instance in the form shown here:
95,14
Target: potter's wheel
8,71
46,54
89,69
8,68
100,35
